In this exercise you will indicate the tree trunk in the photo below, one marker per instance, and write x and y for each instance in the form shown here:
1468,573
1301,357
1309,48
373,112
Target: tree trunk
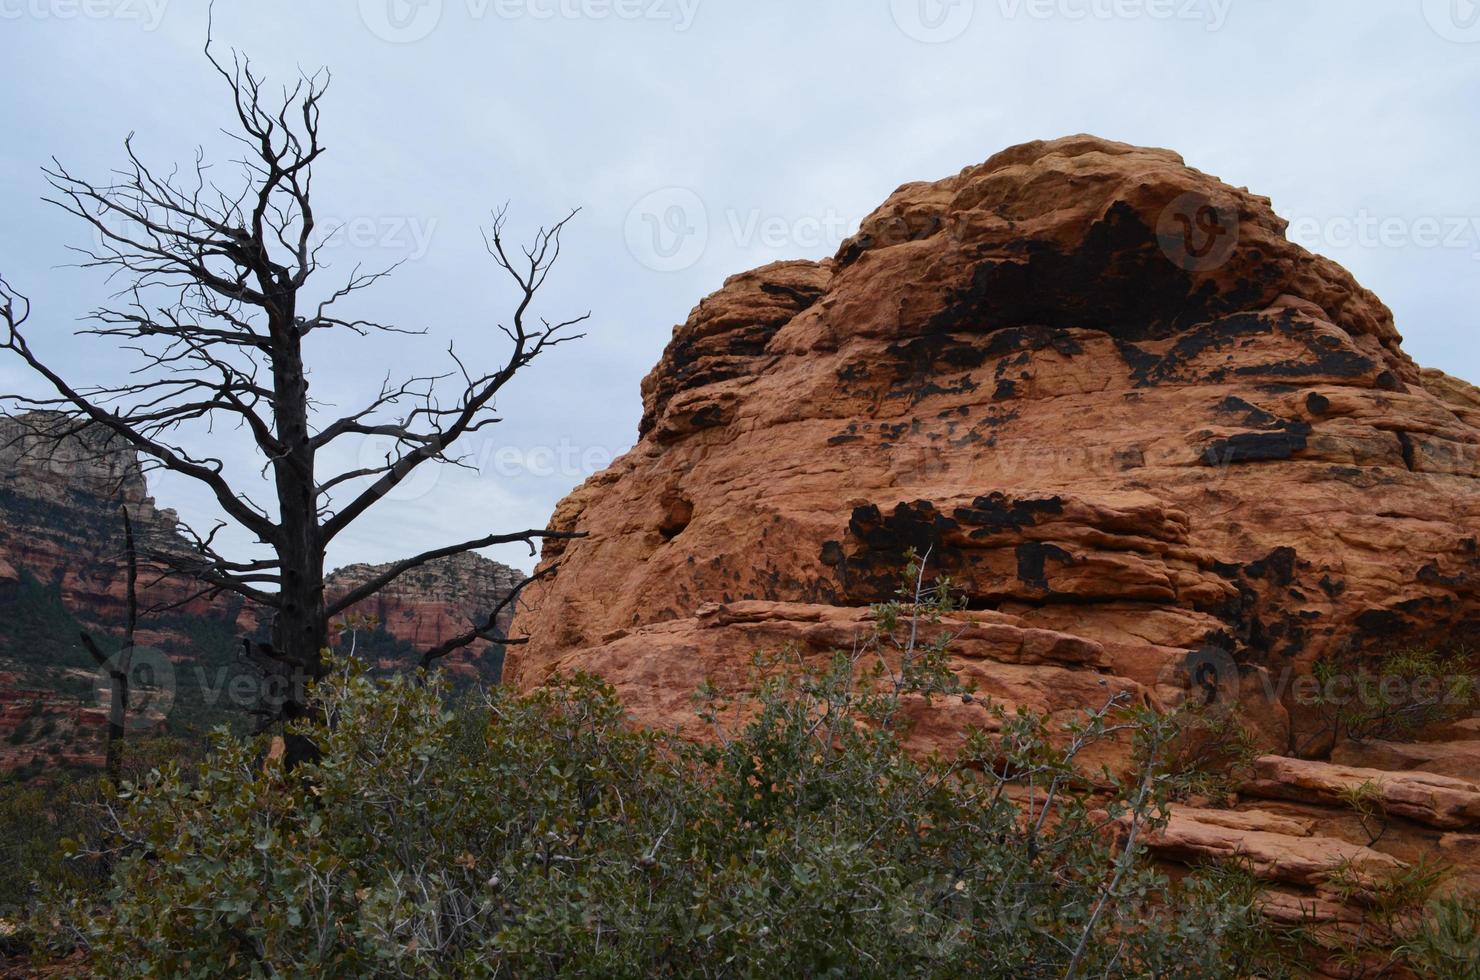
300,631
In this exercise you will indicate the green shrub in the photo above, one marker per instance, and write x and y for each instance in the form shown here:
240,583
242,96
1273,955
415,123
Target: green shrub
1446,943
42,816
1396,695
542,835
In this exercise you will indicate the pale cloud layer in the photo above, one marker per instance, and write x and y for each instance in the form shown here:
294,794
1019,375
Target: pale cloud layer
704,137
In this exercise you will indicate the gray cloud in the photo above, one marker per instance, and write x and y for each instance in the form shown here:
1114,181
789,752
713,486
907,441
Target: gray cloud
703,137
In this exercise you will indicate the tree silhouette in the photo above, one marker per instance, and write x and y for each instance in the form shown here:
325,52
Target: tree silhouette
218,303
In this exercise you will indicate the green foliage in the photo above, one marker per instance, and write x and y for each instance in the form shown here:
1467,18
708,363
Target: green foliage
1213,751
1366,801
40,819
542,835
1396,695
1393,902
1446,942
40,634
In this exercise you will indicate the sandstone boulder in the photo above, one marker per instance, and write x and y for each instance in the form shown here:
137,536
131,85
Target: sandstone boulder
1427,798
1106,395
1265,845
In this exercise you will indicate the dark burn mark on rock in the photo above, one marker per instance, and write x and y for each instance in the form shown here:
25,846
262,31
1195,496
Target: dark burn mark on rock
802,296
708,417
917,364
1317,403
998,417
1005,389
1405,445
1327,363
995,513
1118,278
1328,357
1279,565
1380,623
1149,369
868,567
1251,415
934,354
678,512
1430,575
1225,569
1032,558
1257,447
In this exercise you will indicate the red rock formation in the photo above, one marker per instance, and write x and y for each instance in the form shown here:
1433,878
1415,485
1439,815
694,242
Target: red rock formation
430,605
1129,418
59,522
1098,425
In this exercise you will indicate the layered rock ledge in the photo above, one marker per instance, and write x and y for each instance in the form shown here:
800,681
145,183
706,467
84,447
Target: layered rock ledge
1100,388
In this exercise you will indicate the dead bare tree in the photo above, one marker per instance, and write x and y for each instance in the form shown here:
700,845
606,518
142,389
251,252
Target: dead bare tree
217,303
117,668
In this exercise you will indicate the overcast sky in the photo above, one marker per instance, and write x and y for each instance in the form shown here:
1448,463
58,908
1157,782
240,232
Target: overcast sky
705,137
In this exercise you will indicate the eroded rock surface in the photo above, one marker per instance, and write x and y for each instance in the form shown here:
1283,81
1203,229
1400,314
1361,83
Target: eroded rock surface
1106,395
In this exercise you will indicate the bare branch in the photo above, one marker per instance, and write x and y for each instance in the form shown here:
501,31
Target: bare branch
489,630
400,568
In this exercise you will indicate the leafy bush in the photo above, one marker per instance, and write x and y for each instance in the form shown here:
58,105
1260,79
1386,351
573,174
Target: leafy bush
38,818
1446,942
1397,695
542,835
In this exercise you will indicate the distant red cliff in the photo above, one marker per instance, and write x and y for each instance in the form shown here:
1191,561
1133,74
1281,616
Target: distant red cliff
62,571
